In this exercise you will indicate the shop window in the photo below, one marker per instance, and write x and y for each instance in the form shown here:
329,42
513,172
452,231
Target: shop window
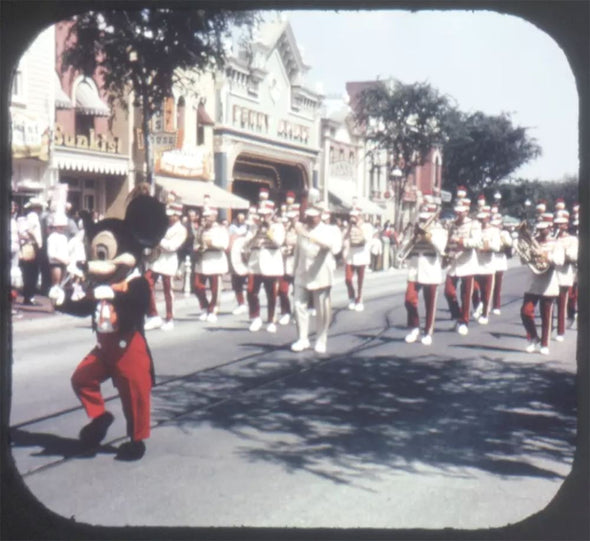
84,123
200,135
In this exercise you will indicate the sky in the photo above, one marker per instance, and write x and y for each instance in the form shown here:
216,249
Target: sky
485,61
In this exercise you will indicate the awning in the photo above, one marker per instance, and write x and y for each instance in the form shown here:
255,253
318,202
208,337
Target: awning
193,192
76,160
88,101
62,100
347,199
203,118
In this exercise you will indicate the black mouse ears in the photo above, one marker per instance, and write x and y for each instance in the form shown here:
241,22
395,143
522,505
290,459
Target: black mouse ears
146,219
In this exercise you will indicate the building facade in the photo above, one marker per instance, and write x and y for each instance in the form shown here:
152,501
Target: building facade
32,106
267,120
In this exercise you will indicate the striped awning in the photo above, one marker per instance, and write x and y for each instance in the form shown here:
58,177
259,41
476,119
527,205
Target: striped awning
78,160
88,101
193,192
62,100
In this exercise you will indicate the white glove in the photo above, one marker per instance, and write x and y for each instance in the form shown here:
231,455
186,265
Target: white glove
104,292
56,295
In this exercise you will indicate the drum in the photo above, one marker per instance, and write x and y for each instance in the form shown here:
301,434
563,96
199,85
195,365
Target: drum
235,256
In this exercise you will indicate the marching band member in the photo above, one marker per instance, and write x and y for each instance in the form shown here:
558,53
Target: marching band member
543,288
288,250
425,272
166,266
572,304
314,267
567,271
265,265
500,262
463,239
357,255
489,245
239,229
210,262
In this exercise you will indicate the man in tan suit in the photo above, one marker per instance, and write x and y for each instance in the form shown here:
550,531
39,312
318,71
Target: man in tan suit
314,268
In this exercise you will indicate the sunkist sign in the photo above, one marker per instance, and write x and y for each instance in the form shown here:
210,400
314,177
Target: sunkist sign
92,141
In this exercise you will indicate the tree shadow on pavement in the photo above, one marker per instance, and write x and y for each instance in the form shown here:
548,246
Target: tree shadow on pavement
349,418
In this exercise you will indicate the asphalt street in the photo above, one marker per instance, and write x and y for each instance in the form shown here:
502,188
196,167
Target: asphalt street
248,433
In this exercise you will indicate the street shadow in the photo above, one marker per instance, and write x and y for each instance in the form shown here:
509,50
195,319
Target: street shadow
360,415
54,445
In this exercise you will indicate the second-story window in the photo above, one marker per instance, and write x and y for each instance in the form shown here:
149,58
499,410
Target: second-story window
18,86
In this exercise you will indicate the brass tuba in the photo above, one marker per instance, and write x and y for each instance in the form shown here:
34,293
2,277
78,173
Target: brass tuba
409,241
527,247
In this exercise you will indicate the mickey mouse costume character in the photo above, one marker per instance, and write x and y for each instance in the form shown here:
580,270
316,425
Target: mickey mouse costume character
117,297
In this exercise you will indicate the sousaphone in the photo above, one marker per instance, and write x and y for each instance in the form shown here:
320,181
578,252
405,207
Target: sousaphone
236,257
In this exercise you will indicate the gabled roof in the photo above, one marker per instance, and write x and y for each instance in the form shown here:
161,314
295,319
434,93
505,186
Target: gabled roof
279,35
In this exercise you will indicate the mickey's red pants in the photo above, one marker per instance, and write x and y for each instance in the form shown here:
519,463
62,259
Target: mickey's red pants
125,359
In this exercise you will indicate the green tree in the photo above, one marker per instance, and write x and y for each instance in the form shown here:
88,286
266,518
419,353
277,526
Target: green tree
404,121
149,50
481,150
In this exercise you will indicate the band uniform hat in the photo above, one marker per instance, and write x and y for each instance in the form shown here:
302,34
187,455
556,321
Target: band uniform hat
561,217
461,191
313,210
545,220
496,219
483,213
263,194
209,211
559,204
266,207
290,195
174,209
461,206
481,200
35,202
293,210
541,206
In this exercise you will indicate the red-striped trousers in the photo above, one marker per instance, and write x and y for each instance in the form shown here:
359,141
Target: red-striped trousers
238,283
527,315
152,278
483,293
270,284
429,292
459,312
562,308
285,283
201,291
497,294
349,271
125,359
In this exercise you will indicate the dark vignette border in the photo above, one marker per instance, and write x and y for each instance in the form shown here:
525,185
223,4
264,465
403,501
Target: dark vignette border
567,517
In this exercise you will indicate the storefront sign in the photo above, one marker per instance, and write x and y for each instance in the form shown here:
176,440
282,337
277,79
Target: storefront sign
191,162
342,169
29,139
93,141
